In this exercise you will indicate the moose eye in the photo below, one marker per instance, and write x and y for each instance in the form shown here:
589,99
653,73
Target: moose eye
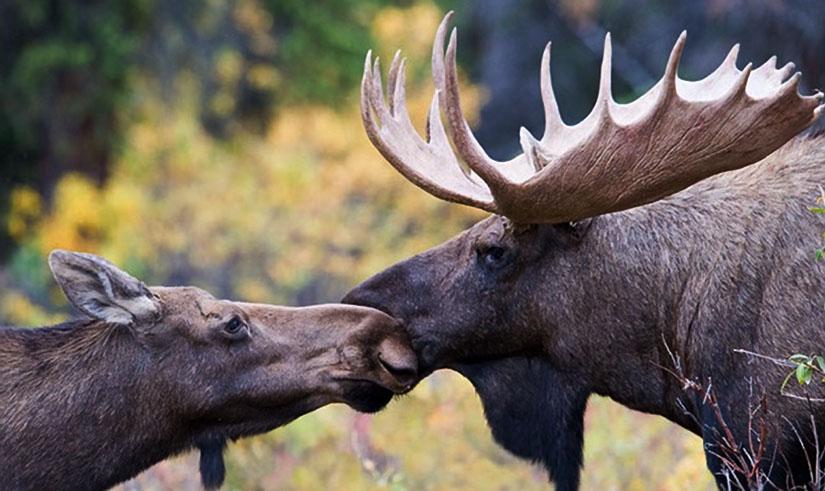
234,326
491,255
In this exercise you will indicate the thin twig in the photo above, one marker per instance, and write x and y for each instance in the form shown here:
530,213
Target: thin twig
782,363
777,361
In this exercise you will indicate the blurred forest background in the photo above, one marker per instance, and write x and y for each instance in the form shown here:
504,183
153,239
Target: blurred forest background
218,143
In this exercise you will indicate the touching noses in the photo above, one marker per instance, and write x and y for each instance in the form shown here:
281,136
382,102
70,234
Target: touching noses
399,361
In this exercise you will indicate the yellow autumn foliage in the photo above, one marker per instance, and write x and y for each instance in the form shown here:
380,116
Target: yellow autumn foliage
18,309
26,207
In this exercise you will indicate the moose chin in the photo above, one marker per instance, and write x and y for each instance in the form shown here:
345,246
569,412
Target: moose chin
640,254
152,372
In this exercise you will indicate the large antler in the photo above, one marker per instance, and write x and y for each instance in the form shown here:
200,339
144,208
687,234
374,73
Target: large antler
618,157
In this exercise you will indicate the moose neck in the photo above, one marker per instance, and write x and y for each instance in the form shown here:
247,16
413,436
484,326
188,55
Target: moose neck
82,398
634,311
693,278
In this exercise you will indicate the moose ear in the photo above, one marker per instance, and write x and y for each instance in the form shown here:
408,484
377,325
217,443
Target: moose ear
102,291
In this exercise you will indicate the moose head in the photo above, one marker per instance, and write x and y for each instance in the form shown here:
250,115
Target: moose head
153,371
475,293
571,267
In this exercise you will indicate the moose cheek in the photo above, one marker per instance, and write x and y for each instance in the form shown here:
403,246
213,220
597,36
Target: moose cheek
352,357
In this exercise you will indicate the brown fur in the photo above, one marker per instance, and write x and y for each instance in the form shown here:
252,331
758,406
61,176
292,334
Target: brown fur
725,264
92,402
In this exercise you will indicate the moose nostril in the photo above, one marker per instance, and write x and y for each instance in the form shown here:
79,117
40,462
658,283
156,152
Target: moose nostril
404,375
399,361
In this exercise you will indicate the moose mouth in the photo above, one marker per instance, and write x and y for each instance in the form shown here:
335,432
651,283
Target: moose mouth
366,396
431,357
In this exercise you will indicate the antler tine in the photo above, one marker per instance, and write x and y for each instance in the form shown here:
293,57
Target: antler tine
366,95
769,65
392,80
787,69
791,86
439,72
672,68
739,88
817,99
465,142
605,83
729,62
399,98
733,54
369,106
438,56
764,78
552,117
530,146
600,114
436,134
377,101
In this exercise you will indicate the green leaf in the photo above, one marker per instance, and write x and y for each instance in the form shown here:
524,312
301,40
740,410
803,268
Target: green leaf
799,358
818,256
818,209
803,374
820,361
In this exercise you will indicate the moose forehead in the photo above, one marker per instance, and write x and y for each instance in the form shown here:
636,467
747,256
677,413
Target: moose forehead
194,302
497,229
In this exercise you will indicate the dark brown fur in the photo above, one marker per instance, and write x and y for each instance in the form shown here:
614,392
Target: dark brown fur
726,264
87,404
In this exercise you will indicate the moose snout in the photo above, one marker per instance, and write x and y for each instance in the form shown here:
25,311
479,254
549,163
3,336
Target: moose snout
399,361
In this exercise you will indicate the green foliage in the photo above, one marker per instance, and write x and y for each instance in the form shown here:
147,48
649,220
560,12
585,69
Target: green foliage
805,367
60,45
63,73
66,72
819,253
322,46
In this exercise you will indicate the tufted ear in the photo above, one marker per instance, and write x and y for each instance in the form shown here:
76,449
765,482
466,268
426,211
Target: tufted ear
102,291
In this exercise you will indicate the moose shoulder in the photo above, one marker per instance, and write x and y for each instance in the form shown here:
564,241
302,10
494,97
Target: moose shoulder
155,371
630,253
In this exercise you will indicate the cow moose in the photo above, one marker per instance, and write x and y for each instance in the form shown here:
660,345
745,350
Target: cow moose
645,250
152,372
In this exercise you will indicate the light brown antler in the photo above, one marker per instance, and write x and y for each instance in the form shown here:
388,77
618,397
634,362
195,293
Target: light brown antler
429,164
618,157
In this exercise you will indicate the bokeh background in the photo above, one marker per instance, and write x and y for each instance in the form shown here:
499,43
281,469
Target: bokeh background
218,143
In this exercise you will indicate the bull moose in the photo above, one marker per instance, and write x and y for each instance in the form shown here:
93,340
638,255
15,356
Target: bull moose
155,371
654,248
